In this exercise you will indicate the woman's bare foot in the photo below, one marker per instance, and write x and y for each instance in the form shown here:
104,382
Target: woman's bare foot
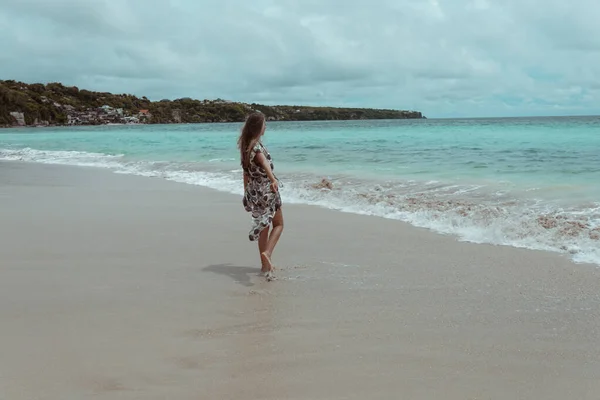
270,276
267,266
264,269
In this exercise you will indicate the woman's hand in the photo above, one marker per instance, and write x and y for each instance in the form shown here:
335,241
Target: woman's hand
275,186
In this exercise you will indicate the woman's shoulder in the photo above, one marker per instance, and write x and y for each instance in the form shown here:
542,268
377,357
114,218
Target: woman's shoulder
256,149
260,148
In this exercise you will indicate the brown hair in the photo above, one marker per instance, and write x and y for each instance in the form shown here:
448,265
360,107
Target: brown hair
251,132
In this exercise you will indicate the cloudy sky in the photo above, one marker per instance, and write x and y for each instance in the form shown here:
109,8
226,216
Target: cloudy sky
446,58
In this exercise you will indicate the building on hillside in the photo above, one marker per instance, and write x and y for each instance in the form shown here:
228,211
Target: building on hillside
144,115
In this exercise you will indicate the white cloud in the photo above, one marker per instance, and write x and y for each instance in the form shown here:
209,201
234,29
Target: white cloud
442,57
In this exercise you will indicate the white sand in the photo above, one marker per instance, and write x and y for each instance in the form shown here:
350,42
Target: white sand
120,287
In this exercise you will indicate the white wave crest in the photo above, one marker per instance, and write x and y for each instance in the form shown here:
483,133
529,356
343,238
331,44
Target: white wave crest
448,209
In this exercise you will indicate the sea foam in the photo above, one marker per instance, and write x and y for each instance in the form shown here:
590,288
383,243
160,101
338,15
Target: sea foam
473,213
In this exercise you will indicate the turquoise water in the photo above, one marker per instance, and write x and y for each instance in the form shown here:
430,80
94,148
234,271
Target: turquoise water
527,182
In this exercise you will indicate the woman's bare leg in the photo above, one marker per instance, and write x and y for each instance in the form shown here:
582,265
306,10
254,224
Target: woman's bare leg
263,239
275,235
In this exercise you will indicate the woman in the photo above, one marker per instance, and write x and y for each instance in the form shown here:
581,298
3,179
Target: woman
261,190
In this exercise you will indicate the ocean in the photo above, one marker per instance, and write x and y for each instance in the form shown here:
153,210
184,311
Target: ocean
523,182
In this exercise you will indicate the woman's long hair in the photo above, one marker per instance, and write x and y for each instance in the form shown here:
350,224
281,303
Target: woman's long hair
251,132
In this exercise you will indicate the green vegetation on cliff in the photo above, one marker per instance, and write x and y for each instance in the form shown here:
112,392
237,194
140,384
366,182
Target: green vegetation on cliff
55,104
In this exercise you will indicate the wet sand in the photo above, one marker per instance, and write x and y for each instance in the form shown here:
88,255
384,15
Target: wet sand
122,287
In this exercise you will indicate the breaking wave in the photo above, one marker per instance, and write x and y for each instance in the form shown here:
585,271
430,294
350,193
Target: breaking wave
474,213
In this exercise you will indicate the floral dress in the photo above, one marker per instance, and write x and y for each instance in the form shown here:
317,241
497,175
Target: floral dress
259,198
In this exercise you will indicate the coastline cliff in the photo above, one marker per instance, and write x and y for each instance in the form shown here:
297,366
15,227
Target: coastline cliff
53,104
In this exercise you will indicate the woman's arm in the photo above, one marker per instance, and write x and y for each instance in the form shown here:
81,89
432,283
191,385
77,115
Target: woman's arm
245,180
263,162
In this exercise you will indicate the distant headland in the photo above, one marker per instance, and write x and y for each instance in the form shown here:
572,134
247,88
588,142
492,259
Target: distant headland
53,104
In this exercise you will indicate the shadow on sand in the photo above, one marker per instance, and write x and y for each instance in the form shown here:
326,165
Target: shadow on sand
241,275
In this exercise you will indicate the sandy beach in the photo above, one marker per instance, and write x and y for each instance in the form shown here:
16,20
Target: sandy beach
123,287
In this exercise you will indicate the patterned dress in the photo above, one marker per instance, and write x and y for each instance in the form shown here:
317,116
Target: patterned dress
259,198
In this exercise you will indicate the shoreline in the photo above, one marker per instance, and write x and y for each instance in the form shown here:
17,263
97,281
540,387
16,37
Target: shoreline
579,253
216,192
201,123
122,286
